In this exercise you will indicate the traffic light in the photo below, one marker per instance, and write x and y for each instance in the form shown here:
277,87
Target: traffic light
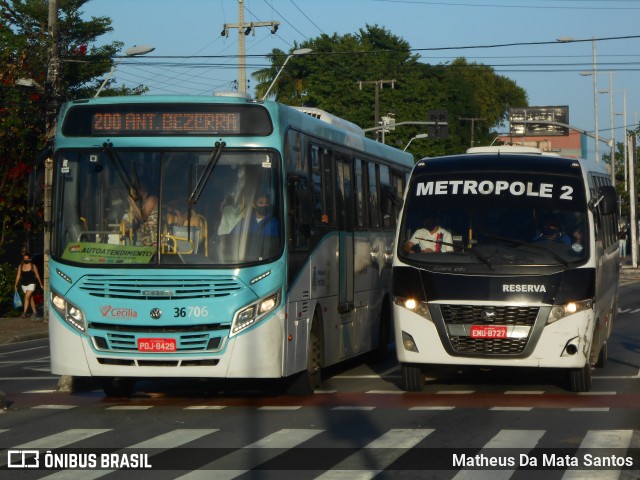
440,127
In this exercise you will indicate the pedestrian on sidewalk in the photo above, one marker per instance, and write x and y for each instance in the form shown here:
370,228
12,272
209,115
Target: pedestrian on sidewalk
26,277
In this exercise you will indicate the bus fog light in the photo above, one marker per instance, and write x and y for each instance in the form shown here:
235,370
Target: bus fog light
408,343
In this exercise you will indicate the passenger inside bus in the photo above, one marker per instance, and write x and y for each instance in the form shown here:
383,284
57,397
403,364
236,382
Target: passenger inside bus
431,238
143,216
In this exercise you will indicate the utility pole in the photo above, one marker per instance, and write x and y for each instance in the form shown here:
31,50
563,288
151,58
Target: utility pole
245,29
378,85
53,95
473,121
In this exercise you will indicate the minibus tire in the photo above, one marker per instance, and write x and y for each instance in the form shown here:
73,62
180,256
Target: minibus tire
412,378
580,379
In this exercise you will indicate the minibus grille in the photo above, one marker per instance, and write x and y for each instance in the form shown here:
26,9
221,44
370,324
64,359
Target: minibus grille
160,288
470,315
502,315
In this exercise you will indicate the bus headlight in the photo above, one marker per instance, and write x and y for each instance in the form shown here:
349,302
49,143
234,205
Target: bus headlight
69,312
569,308
421,308
253,313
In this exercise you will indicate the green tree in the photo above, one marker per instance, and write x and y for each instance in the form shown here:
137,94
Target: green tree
24,48
338,77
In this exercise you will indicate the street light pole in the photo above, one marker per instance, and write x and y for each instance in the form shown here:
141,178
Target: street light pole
594,72
130,52
420,135
300,51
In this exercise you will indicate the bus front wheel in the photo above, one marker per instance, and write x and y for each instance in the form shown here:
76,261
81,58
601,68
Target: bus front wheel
305,382
580,379
118,386
412,378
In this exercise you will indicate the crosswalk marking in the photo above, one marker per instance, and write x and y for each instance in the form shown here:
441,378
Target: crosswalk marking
364,466
252,455
57,440
364,461
165,441
522,439
609,439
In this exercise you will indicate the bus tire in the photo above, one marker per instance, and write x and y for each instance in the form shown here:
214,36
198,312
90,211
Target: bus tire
381,352
412,378
305,382
603,355
118,386
580,379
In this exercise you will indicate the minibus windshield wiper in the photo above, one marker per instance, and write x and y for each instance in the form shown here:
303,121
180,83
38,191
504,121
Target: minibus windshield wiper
132,186
216,153
537,246
481,257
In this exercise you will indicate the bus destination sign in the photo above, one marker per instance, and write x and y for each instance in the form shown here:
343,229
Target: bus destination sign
167,123
165,119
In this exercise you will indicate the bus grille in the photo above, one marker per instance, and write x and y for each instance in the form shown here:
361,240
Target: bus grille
504,315
185,343
500,315
165,288
483,346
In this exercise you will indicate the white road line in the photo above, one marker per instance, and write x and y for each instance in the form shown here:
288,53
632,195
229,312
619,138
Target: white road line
58,440
522,439
252,455
166,441
601,440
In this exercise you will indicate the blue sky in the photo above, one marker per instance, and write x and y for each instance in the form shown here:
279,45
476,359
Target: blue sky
549,72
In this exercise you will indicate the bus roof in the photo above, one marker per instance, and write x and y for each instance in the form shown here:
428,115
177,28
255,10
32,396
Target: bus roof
510,149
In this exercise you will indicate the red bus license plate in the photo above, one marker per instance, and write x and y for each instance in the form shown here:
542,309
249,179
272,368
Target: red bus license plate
156,345
483,331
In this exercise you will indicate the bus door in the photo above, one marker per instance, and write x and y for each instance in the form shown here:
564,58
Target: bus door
344,209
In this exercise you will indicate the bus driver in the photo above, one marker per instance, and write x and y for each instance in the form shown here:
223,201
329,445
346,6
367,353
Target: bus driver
431,238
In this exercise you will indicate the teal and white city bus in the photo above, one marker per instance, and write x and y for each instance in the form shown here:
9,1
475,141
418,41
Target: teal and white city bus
506,257
159,267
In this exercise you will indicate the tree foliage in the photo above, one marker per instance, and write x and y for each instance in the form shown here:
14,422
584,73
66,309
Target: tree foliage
340,74
24,51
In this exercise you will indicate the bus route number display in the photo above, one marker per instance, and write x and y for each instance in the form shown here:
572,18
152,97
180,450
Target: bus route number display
167,123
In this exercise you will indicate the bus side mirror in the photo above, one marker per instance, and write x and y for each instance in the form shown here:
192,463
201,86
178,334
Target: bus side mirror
607,200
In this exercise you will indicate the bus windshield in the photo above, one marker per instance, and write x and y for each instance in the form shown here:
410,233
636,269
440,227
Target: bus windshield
494,219
162,207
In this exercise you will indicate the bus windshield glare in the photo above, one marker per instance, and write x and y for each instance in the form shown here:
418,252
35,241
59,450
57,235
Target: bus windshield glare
494,220
146,207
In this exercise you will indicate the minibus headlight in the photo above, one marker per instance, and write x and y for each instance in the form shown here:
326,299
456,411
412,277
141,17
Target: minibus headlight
421,308
69,312
253,313
569,308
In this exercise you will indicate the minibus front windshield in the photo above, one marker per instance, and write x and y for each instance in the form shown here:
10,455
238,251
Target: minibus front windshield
494,220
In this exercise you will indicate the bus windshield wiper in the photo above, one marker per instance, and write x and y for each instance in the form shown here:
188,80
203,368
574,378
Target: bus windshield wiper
132,186
536,246
216,153
481,257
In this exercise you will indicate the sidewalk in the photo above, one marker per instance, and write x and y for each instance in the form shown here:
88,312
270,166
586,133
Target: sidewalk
20,329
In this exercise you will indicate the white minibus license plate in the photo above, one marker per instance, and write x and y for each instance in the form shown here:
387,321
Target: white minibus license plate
483,331
156,345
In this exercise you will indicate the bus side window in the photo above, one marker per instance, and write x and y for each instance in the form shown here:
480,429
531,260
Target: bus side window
299,212
374,196
360,192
